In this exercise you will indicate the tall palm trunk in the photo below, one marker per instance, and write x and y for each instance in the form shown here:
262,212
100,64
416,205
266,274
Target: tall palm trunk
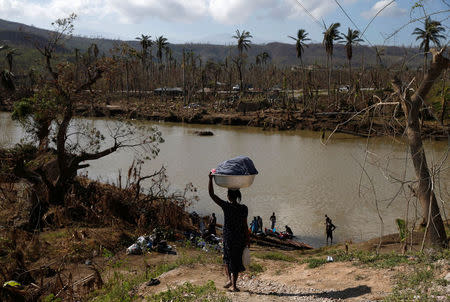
328,71
350,72
425,57
303,82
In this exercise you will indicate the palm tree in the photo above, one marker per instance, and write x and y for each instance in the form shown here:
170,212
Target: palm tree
161,44
330,35
262,58
302,37
351,38
265,57
258,59
431,33
243,43
146,43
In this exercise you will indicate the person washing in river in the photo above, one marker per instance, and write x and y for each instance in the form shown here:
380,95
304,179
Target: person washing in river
235,232
329,228
288,231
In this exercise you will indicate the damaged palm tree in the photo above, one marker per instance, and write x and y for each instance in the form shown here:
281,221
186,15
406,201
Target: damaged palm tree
411,105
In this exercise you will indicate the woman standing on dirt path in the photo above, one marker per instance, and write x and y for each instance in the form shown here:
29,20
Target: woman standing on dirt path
235,232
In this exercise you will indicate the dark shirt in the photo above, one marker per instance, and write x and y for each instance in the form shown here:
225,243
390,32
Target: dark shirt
330,227
234,226
273,218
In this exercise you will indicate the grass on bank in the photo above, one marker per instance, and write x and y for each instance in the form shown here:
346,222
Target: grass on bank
188,292
122,284
420,283
255,269
318,257
275,255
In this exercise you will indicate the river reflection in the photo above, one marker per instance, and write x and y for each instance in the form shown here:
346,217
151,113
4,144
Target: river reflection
299,178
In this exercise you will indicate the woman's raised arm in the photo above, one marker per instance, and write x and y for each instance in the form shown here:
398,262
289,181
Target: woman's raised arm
214,197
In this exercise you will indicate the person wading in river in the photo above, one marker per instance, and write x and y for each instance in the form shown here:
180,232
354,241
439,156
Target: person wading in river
329,228
235,232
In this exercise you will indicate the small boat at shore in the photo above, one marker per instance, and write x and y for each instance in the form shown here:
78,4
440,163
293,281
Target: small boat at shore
284,244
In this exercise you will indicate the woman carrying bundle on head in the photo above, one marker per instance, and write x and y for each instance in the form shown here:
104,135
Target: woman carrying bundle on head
235,232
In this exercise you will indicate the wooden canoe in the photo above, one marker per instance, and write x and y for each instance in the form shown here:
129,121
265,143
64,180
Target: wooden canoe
286,244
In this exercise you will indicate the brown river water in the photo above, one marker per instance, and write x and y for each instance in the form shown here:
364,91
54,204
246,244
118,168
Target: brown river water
300,179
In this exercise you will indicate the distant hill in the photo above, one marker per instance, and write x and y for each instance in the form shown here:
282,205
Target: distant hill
282,54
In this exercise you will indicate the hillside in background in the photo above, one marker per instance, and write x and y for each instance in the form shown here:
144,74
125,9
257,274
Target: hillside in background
23,37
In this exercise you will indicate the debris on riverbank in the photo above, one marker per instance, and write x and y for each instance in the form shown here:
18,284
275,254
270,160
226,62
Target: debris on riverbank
277,116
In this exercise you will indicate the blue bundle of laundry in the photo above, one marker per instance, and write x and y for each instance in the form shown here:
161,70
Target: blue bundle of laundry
241,165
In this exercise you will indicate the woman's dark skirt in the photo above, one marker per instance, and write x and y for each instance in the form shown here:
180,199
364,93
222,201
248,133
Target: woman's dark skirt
232,257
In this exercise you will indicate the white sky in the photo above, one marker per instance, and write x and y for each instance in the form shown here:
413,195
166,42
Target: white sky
215,21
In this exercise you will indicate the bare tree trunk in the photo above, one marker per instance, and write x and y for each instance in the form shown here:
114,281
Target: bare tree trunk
435,233
329,75
241,81
184,77
444,99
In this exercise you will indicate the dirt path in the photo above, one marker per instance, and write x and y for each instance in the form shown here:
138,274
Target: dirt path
282,281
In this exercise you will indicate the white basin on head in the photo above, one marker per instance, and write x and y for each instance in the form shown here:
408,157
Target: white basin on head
234,181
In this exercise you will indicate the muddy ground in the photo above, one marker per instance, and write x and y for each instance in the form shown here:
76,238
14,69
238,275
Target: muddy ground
89,260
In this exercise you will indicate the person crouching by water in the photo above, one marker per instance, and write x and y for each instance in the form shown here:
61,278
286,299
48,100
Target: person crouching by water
235,232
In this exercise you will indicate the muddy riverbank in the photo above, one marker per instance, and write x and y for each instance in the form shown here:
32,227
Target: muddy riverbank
261,114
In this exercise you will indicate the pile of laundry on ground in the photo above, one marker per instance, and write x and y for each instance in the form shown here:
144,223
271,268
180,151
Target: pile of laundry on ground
152,243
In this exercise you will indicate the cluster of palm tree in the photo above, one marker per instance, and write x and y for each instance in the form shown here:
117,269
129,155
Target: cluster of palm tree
262,58
330,36
430,33
134,68
146,57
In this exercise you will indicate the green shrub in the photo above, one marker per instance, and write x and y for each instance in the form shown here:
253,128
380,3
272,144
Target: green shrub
315,262
51,298
255,268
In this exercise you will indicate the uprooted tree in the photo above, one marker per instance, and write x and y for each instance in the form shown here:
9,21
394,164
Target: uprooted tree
411,105
48,116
